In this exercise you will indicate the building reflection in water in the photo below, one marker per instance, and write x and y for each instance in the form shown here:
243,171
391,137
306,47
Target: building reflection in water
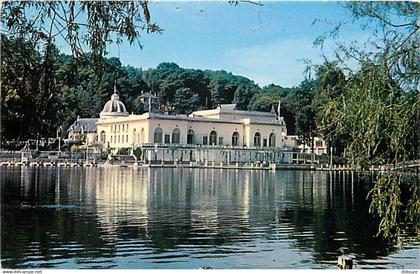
111,212
173,207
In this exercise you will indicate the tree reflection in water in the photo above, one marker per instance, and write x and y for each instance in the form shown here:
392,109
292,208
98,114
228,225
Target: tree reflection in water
158,218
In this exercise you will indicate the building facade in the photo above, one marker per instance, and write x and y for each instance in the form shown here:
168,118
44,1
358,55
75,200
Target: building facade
223,126
83,129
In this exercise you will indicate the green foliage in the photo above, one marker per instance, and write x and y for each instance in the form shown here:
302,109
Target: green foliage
243,95
396,38
137,153
264,101
185,101
399,218
374,119
305,112
386,203
374,111
44,89
331,84
41,104
270,96
83,24
376,115
223,86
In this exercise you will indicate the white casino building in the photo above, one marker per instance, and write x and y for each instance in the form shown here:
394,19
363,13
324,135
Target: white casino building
222,127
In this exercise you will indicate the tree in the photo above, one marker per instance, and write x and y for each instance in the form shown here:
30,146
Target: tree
330,85
222,87
379,108
185,101
243,95
305,112
84,24
395,38
264,101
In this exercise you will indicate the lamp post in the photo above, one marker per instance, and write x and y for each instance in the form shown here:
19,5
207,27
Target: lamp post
87,143
59,129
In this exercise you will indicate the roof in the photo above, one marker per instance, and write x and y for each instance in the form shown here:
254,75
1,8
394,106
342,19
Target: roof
228,106
114,107
85,124
202,119
227,110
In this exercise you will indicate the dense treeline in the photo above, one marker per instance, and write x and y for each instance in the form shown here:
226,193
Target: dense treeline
43,92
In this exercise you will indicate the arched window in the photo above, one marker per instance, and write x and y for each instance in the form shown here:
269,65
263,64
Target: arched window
190,137
213,138
235,139
176,136
157,138
102,137
272,140
257,139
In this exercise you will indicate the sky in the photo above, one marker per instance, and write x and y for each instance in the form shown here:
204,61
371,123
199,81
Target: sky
265,43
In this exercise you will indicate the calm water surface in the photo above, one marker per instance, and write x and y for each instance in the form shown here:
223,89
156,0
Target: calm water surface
188,218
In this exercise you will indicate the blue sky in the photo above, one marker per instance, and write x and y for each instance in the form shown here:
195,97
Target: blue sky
264,43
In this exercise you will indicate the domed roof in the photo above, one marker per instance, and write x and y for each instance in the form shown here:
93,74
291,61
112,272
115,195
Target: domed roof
114,107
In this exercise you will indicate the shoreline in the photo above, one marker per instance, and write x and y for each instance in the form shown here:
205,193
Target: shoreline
212,165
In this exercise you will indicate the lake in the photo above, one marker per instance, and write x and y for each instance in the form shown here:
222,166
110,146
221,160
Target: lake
114,217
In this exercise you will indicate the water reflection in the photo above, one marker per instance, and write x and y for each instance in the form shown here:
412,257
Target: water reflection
186,218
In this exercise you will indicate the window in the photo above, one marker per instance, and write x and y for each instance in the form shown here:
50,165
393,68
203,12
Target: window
176,136
119,127
190,137
235,139
257,139
126,127
220,140
213,138
167,139
123,127
118,138
264,142
318,144
157,136
272,140
135,139
102,138
205,138
126,138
